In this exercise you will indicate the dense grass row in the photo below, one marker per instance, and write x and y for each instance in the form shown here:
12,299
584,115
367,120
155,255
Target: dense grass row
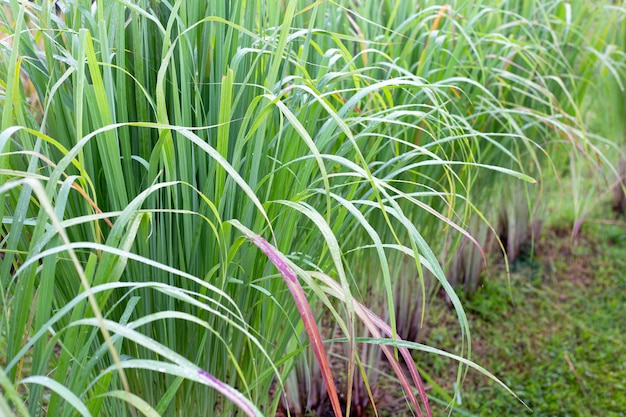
179,170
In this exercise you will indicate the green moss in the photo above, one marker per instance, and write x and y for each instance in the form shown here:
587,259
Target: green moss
557,336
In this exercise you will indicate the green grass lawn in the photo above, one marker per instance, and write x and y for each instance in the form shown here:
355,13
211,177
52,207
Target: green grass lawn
556,335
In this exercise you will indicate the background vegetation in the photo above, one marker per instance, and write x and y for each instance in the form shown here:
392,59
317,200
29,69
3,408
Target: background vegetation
245,207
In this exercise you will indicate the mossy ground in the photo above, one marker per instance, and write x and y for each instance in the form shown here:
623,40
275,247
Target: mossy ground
555,332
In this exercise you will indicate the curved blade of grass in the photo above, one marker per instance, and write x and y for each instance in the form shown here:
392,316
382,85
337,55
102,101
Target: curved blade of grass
182,367
47,206
138,403
281,263
60,389
335,253
429,349
374,324
67,308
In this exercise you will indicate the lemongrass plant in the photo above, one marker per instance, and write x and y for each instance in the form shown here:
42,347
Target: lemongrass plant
204,185
515,81
162,127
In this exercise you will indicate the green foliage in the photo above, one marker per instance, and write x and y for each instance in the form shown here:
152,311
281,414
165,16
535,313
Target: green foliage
162,141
